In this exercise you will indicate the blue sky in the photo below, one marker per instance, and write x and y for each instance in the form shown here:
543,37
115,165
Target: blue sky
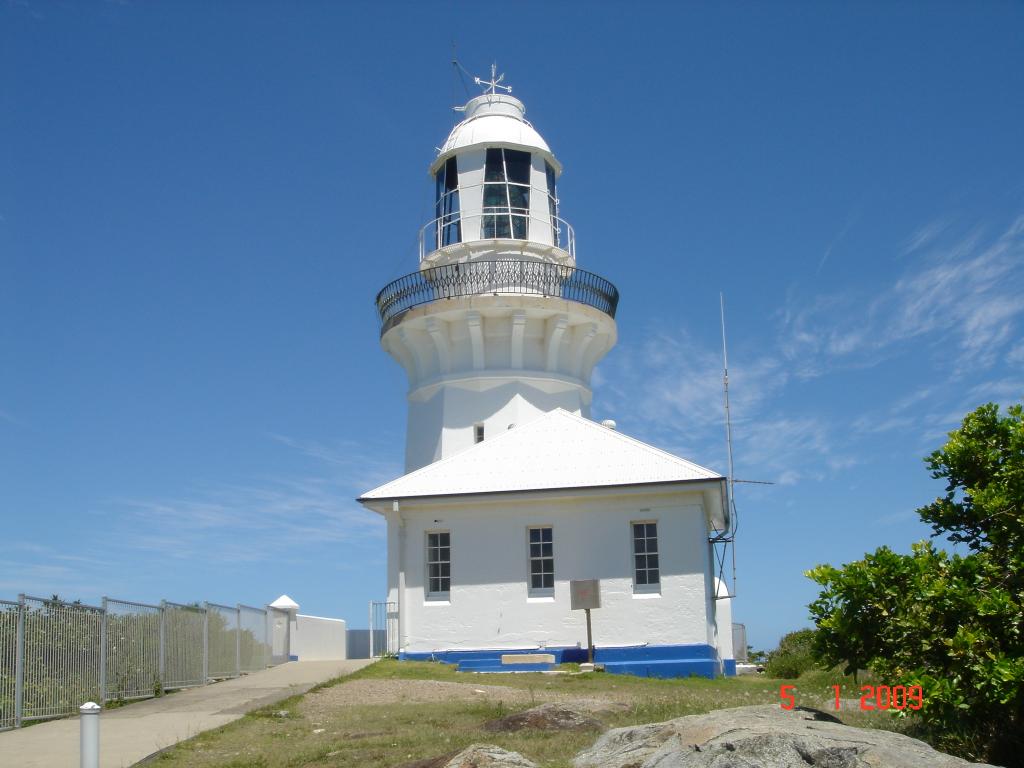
199,201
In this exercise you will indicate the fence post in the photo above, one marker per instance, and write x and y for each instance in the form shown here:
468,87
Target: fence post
103,654
206,643
268,635
238,639
19,665
371,629
162,665
89,735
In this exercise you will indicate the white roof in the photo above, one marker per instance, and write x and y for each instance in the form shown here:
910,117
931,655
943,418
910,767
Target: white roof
554,451
495,120
285,603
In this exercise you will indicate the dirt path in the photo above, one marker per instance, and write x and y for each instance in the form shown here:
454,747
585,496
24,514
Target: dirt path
369,692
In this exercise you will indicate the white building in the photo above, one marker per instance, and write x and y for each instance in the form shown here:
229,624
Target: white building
512,491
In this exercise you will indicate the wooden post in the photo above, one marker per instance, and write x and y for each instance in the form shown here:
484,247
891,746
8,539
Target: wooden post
590,640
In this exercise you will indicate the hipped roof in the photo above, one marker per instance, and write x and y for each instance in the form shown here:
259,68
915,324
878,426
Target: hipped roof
558,450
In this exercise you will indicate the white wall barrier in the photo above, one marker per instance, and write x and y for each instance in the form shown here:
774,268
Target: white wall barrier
315,638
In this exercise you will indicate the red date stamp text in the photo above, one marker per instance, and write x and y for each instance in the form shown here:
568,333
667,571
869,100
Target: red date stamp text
873,697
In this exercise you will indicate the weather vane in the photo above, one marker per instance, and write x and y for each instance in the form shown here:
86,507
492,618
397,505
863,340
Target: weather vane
492,85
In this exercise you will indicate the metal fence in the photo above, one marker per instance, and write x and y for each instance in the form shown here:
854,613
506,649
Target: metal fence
739,642
54,655
10,694
383,629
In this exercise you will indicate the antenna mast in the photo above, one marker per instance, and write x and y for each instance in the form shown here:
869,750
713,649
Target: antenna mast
728,416
723,539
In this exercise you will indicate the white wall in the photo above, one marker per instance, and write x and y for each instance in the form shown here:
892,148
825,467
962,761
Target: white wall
489,605
315,638
723,620
279,636
493,359
443,423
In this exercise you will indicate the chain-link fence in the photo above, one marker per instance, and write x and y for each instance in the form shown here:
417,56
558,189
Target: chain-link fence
55,655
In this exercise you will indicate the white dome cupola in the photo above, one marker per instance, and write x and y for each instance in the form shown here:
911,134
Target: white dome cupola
495,179
498,325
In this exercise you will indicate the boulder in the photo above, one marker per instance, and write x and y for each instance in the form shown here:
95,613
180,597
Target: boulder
762,736
546,717
431,762
488,756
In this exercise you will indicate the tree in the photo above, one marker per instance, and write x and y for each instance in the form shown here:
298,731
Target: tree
952,624
793,656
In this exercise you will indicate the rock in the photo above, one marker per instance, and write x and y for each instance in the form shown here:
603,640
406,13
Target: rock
488,756
762,736
546,717
430,762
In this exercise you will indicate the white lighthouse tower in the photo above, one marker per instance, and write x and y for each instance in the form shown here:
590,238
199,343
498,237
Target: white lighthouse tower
490,526
498,325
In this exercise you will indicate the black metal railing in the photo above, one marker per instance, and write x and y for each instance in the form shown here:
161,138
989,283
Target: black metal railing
505,276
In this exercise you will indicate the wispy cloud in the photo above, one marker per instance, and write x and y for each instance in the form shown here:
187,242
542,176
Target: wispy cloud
359,465
285,519
925,235
1016,354
969,292
959,302
670,388
850,221
278,518
43,573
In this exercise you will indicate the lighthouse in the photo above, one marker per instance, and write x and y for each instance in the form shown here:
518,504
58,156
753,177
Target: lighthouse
498,325
513,498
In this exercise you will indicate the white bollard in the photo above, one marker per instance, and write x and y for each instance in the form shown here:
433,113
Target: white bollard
90,734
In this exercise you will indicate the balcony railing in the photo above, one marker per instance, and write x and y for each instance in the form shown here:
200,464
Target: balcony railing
483,278
459,227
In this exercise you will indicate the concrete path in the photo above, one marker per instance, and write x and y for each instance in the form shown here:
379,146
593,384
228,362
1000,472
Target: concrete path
128,734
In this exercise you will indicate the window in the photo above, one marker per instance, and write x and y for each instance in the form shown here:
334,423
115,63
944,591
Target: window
646,573
439,564
549,171
506,194
449,225
542,561
478,433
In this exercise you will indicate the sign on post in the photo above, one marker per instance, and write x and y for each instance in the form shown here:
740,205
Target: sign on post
585,594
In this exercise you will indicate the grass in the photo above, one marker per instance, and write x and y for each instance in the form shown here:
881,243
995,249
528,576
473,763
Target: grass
314,733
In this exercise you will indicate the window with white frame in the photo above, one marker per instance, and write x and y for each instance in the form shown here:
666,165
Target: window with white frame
439,564
646,571
542,560
506,194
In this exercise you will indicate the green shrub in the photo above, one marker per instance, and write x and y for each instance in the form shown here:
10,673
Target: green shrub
793,656
951,624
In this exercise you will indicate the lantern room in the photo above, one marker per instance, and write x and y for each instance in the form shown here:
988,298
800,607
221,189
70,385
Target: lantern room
495,180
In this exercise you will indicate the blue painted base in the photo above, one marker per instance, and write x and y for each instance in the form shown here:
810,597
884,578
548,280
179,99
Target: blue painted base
664,661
